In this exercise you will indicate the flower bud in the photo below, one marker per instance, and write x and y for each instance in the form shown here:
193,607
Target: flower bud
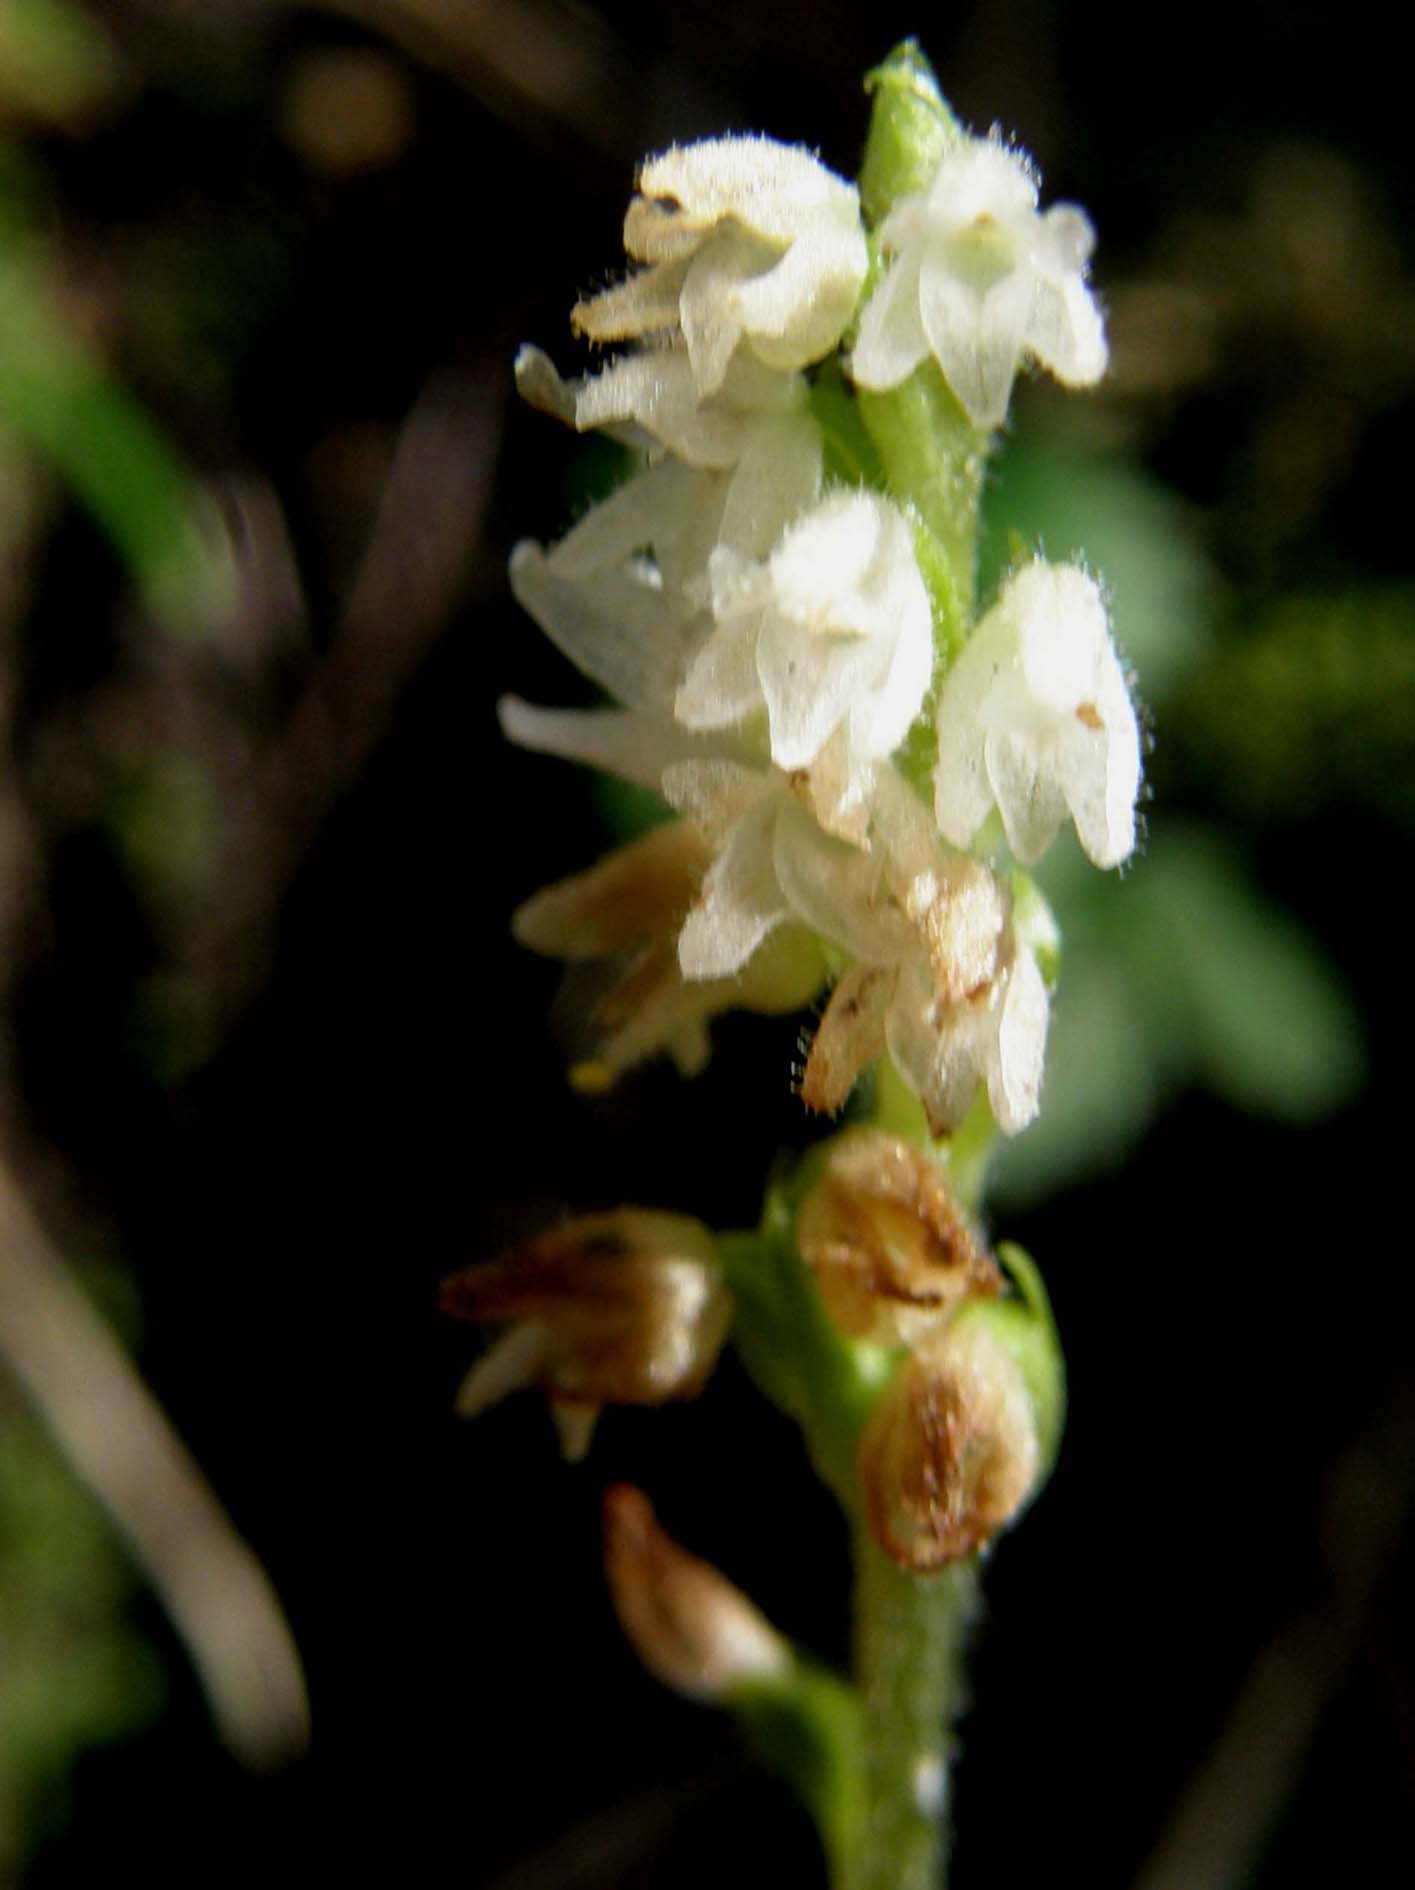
951,1453
889,1246
689,1626
620,1308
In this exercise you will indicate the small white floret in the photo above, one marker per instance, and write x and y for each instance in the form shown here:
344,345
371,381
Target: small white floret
1035,718
832,635
746,241
981,280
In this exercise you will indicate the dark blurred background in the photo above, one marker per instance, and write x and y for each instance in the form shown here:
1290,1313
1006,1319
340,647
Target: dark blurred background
272,1066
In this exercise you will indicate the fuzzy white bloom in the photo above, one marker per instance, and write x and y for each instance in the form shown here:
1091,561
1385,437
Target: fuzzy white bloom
940,980
979,280
1035,717
832,633
751,819
994,1037
956,996
747,241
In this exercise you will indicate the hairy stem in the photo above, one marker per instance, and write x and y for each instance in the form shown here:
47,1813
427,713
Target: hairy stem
909,1633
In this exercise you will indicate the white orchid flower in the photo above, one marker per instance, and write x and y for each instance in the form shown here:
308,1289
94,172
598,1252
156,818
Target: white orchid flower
1035,717
940,979
981,280
832,633
956,999
746,241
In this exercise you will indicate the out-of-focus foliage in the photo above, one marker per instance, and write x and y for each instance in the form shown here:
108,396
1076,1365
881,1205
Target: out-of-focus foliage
1185,976
56,61
73,1671
1104,510
56,394
1311,704
57,397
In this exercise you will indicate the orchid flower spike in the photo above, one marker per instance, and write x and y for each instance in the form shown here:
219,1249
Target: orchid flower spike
981,280
746,240
1035,716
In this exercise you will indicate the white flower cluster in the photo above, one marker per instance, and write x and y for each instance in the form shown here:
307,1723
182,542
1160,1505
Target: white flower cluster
770,642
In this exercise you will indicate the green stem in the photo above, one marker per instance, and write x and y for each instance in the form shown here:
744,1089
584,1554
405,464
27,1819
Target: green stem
933,458
909,1633
930,453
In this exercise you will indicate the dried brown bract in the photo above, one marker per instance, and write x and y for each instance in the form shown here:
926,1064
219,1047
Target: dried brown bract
891,1249
951,1452
620,1308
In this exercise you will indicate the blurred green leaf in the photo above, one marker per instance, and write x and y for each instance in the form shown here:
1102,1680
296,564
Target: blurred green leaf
55,59
1313,702
1181,973
58,397
75,1674
1267,1024
163,813
805,1724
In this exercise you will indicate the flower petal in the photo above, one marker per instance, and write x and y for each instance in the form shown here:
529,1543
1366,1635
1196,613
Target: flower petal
715,793
635,747
741,901
773,190
1099,772
1066,331
721,685
516,1359
654,507
849,1037
776,479
1030,801
940,1053
646,304
795,311
835,889
655,388
1015,1072
634,893
539,384
616,628
711,324
891,341
975,336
